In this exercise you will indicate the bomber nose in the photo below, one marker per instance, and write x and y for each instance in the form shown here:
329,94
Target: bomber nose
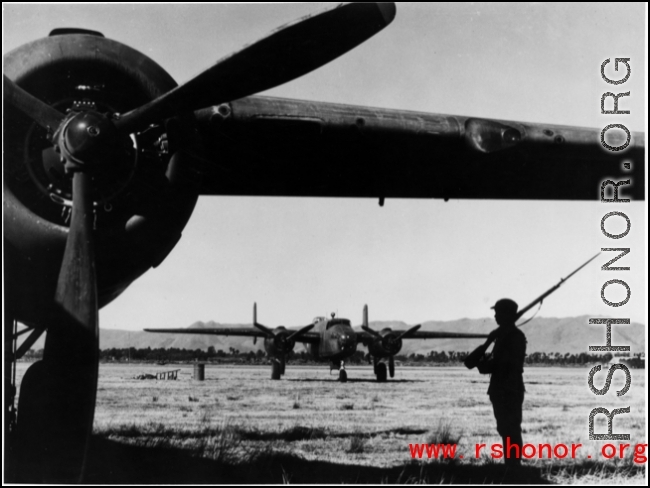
347,342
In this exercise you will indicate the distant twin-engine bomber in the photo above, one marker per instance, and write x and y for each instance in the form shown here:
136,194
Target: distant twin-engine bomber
332,340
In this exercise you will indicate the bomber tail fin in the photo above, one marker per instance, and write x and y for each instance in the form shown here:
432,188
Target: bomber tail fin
254,320
265,330
365,315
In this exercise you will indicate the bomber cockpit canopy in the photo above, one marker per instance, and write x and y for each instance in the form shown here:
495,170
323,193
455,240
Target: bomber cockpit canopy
333,322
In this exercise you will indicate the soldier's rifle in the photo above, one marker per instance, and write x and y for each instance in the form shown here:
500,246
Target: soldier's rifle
475,356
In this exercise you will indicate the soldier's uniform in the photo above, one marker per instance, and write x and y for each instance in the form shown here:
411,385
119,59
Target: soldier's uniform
506,390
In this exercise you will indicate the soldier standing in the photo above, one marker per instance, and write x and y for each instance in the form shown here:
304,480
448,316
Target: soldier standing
506,367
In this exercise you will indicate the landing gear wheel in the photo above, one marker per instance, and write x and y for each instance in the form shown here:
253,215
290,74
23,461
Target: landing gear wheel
55,408
391,367
381,372
276,370
343,376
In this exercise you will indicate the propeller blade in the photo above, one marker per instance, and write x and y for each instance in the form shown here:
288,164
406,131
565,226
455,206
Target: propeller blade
299,332
76,289
39,111
287,53
28,343
371,332
267,332
407,333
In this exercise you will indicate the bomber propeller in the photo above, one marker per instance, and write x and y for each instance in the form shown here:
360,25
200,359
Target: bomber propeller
287,53
282,339
47,117
389,342
88,142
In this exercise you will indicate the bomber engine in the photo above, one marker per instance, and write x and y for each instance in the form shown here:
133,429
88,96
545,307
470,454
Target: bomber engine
102,162
389,344
141,198
280,344
384,344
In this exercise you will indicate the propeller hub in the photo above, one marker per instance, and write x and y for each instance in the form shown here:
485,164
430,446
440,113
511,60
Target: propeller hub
283,344
391,344
88,140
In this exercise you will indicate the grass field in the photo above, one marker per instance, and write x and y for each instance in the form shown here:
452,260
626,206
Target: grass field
240,426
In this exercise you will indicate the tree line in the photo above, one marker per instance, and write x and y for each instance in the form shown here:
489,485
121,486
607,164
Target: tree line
536,358
175,354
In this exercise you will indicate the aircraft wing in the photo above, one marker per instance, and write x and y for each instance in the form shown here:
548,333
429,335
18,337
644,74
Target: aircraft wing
225,331
363,336
441,335
282,147
306,337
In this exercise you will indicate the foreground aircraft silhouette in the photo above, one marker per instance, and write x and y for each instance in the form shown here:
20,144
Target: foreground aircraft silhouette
331,340
105,157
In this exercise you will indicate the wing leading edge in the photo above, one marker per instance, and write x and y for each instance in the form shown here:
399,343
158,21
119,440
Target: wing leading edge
363,336
281,147
305,337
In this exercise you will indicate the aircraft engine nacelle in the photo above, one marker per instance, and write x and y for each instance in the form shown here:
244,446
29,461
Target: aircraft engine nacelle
390,344
141,201
279,344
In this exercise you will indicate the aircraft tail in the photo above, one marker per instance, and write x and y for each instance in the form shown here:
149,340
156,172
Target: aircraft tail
365,315
254,312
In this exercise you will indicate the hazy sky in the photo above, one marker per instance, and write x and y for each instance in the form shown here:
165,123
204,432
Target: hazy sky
410,260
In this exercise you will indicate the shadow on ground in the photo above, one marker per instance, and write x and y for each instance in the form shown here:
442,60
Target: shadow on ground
334,379
299,433
116,463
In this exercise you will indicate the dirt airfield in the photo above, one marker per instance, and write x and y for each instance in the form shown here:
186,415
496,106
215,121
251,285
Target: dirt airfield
239,426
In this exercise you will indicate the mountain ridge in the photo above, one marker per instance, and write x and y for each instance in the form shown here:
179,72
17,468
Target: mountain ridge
544,334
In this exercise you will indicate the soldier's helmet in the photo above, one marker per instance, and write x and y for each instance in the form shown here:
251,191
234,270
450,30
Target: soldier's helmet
506,306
